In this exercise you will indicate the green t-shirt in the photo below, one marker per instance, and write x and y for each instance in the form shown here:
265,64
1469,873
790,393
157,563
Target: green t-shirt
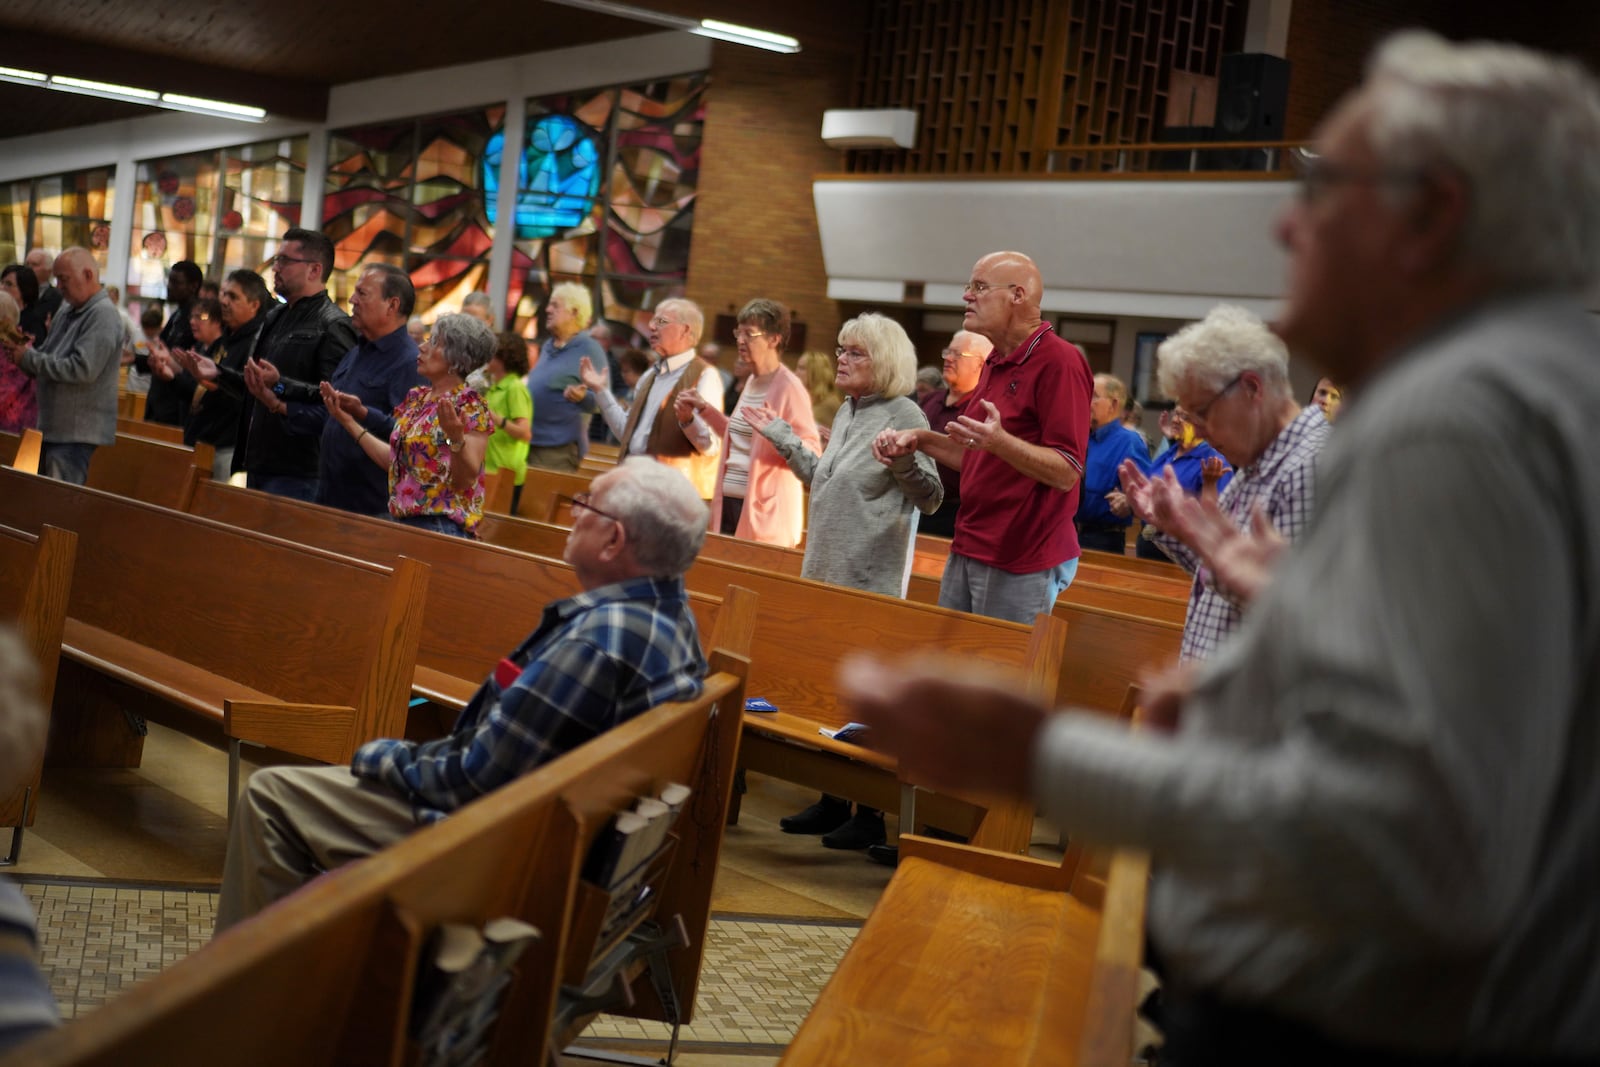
509,399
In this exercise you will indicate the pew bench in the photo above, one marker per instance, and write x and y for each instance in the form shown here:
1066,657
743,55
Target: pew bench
144,468
35,584
972,957
245,637
21,451
326,976
482,600
153,431
802,632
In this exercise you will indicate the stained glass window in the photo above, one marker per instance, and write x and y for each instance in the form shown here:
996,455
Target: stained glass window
414,194
221,209
57,212
630,158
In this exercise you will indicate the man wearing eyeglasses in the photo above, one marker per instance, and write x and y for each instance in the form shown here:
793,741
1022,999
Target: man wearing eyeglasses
650,425
300,346
1020,449
1373,814
598,659
963,360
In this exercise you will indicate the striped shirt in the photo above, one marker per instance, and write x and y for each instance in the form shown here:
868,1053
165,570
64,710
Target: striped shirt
1282,482
597,660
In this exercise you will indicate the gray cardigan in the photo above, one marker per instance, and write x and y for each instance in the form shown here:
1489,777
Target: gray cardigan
77,372
863,517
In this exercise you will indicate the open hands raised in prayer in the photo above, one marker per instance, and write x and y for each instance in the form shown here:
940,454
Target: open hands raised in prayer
259,377
591,376
450,421
760,417
1140,491
345,408
1117,501
203,368
980,434
162,363
947,723
1240,561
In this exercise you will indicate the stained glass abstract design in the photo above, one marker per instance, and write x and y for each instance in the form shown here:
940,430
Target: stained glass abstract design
414,194
56,212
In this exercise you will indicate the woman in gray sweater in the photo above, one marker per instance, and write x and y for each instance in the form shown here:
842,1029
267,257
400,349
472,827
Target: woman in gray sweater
862,524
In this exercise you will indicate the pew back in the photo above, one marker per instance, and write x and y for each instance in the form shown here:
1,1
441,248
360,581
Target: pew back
157,472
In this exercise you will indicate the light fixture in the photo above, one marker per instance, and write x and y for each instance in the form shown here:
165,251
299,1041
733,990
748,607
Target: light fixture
722,31
133,95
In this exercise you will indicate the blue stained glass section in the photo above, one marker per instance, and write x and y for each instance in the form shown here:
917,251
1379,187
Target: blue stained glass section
559,176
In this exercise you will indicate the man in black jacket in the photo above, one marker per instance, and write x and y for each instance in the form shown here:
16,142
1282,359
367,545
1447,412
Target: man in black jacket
215,418
168,399
302,339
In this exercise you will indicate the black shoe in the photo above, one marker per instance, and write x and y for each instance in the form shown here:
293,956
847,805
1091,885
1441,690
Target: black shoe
888,855
861,831
827,814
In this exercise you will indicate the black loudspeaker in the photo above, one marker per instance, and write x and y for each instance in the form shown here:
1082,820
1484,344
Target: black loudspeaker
1252,94
1179,159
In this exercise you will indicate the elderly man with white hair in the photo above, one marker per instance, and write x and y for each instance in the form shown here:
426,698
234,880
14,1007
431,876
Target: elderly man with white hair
625,644
1230,375
1373,813
961,367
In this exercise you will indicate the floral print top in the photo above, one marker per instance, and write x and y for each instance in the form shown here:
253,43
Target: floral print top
19,400
419,474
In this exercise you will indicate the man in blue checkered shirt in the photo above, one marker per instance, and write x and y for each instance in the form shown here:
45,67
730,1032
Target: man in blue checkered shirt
1230,376
625,644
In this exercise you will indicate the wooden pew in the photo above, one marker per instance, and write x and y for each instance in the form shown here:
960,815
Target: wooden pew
150,470
482,600
326,976
35,584
152,431
973,957
547,494
21,451
803,630
218,630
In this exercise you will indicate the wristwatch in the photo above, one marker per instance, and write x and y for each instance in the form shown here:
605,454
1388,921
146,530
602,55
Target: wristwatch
455,446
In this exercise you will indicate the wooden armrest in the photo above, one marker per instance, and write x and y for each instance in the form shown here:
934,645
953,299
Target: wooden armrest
445,690
799,730
316,731
1001,867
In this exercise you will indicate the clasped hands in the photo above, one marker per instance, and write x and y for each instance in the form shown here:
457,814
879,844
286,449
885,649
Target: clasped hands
966,432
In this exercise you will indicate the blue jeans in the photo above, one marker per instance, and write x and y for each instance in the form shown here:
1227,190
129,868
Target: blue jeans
984,590
289,485
437,523
66,461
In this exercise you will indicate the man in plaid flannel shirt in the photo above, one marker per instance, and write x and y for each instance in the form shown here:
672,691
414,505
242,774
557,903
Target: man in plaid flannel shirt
625,644
1230,375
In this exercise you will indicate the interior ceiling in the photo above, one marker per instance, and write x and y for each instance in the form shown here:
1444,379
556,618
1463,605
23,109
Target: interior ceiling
284,55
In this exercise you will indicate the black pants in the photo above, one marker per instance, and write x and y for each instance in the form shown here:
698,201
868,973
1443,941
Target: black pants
732,508
1103,539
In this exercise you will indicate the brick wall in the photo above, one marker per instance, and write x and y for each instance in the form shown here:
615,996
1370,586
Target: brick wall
755,228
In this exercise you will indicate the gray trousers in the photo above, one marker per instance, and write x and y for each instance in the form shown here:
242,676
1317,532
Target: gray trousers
293,823
980,589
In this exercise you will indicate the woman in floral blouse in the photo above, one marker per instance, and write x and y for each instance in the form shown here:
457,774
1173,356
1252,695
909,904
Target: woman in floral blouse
435,447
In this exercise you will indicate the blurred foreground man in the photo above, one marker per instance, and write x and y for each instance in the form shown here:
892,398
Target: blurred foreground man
1374,811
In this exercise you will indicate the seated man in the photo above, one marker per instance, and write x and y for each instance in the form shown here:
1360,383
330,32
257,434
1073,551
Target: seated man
625,644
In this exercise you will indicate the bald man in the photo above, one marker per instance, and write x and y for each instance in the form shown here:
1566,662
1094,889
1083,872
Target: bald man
1020,449
77,371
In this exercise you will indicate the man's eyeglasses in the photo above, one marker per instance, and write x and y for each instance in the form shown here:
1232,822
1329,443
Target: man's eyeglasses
1199,414
280,259
956,353
979,288
660,323
581,500
1319,175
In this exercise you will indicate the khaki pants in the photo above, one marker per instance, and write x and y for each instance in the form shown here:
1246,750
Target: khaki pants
555,457
293,823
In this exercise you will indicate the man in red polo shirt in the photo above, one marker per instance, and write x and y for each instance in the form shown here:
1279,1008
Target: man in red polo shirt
1019,447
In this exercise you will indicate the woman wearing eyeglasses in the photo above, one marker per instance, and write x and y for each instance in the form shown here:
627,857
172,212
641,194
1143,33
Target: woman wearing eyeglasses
437,439
757,497
863,520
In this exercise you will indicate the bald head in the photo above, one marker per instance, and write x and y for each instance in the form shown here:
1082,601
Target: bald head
1002,299
1014,268
77,276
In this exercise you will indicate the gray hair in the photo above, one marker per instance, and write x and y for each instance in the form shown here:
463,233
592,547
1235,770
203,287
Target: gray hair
974,343
665,519
395,284
1220,347
1113,388
930,376
894,360
1522,130
686,312
22,717
576,299
466,342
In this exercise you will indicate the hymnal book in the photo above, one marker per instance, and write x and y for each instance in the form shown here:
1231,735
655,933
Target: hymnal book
460,981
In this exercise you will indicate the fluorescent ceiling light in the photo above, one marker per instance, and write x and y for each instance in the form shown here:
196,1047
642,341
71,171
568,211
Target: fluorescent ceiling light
134,95
727,31
722,31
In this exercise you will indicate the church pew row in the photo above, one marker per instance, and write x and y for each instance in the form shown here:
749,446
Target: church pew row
151,470
1084,656
326,976
35,584
154,431
20,451
482,600
971,957
217,630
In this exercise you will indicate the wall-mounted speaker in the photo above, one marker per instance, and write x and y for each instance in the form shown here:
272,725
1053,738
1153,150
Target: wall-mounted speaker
1252,94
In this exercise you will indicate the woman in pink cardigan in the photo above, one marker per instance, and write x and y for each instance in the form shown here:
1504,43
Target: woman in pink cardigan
758,497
